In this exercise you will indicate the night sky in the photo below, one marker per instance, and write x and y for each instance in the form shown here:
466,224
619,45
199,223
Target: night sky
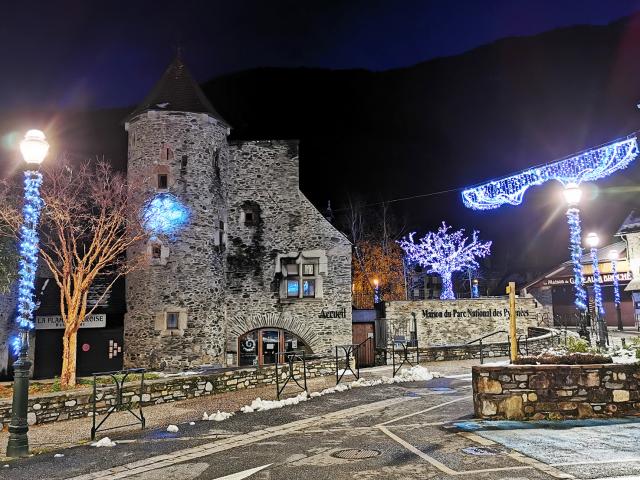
101,54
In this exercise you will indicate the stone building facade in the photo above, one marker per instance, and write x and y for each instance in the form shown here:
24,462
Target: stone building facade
255,270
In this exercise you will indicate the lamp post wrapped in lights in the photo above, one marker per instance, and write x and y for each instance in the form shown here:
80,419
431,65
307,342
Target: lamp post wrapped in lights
34,148
572,195
613,256
603,337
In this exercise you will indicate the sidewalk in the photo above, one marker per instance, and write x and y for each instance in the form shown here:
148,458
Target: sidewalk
52,436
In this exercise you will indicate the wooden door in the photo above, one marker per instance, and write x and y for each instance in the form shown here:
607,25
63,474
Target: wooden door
367,351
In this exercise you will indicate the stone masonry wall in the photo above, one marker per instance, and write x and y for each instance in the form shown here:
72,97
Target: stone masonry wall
555,392
76,404
263,179
443,322
190,280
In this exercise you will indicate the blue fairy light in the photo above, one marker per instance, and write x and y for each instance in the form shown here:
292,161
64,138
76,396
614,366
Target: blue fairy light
165,214
597,289
616,283
28,248
573,219
588,166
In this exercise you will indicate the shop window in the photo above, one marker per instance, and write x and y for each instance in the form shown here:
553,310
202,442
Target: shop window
265,346
172,320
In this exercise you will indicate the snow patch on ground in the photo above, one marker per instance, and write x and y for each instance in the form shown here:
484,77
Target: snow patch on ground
414,374
624,355
104,442
172,429
58,455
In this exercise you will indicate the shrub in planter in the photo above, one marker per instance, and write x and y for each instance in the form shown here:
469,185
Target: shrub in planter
563,359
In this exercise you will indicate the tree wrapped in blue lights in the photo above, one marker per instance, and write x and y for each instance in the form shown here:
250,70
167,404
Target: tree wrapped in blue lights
444,252
575,246
616,283
597,289
28,249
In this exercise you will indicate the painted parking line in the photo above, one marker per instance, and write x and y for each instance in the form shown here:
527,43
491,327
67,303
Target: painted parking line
528,463
435,407
244,473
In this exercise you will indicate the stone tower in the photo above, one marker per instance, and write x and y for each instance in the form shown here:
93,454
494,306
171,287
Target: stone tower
175,306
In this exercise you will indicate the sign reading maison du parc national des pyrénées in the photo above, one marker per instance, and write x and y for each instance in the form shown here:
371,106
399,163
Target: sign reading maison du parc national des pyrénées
471,313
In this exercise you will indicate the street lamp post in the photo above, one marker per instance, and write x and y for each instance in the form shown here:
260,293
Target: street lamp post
593,241
572,195
613,256
34,148
376,292
475,290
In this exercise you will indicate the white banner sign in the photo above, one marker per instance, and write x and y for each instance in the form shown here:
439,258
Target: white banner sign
53,322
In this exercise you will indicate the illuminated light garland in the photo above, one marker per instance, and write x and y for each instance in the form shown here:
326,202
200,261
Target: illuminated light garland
29,252
444,253
597,288
587,166
616,285
165,214
573,219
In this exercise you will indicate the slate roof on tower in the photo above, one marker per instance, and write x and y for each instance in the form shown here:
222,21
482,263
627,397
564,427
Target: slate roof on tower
177,91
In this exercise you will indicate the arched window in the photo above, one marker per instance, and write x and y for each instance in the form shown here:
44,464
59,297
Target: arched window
266,345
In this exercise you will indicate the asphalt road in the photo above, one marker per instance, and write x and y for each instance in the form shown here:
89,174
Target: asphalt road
416,430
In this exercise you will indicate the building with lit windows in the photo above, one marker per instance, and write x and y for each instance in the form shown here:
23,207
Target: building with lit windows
255,270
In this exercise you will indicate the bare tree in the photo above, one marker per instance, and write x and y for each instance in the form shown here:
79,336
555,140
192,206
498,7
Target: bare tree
377,258
91,217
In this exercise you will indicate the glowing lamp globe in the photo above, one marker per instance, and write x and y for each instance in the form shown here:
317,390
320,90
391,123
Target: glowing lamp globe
593,240
34,147
375,282
613,255
572,194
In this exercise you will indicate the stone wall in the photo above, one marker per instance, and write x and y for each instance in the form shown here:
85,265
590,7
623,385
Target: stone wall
58,406
446,322
263,179
555,392
189,279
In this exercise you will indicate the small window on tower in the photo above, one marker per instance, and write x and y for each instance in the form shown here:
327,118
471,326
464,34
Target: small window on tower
183,165
248,218
221,240
172,320
156,251
163,181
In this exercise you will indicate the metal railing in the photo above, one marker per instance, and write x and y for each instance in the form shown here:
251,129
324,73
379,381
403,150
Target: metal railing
119,378
291,357
404,355
480,339
349,351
